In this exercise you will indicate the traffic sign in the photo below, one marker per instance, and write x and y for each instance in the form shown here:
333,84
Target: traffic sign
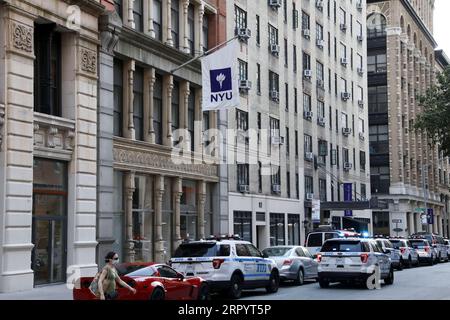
396,220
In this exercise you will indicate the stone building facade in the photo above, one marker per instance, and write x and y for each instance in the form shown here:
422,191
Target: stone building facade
401,65
147,203
305,61
48,130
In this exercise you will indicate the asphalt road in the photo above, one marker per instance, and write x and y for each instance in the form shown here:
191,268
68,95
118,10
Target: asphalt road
422,283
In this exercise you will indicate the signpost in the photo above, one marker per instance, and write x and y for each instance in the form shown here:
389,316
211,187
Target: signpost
397,222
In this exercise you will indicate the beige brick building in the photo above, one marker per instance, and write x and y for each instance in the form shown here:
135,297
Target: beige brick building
402,64
48,130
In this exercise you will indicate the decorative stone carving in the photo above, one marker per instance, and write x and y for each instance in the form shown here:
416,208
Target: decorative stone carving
161,162
88,61
53,135
22,37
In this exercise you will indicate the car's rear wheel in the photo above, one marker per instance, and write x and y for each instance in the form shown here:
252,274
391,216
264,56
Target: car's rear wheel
324,283
203,293
300,278
390,279
274,283
157,294
235,290
409,263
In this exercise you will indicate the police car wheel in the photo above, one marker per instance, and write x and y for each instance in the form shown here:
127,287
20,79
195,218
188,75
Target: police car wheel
390,280
236,287
300,278
274,283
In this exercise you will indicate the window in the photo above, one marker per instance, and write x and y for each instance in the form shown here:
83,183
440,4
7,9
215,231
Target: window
47,70
167,272
175,16
376,26
242,174
157,19
380,179
363,192
286,92
273,35
191,117
277,223
157,109
294,16
191,29
295,100
243,70
307,143
323,190
296,143
305,21
321,109
319,32
294,229
259,177
118,97
344,120
343,85
274,127
288,184
118,7
287,141
379,139
361,126
343,50
258,78
205,29
297,186
323,152
378,99
273,82
319,71
376,62
242,120
286,53
362,160
175,106
242,223
295,58
138,103
309,187
285,11
138,9
306,102
258,30
306,61
240,17
345,155
342,16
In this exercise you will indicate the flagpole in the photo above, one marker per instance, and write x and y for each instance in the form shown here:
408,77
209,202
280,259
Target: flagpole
202,55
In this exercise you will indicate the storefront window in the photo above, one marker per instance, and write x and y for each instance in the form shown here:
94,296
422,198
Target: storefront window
243,225
118,214
188,219
277,223
167,222
294,229
142,219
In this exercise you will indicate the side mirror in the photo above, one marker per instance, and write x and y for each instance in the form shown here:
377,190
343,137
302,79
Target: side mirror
180,277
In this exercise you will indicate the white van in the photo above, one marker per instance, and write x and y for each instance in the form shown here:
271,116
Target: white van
316,239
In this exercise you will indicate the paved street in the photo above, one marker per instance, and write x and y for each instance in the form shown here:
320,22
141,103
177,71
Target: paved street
427,283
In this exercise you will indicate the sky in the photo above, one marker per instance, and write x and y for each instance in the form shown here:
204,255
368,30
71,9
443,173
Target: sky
442,25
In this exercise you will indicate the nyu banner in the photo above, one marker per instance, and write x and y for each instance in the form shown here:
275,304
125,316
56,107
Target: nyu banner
220,78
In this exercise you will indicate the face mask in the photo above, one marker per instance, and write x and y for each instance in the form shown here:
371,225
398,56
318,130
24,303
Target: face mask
115,261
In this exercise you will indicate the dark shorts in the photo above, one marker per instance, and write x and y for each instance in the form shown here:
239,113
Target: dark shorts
111,295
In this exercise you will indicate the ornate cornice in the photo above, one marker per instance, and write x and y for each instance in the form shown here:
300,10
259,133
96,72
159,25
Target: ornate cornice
136,156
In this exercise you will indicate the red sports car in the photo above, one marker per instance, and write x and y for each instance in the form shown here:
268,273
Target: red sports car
152,281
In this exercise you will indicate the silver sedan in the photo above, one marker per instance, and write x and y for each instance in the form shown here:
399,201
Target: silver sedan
294,263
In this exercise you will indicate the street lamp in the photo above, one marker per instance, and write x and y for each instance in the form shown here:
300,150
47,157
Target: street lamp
425,193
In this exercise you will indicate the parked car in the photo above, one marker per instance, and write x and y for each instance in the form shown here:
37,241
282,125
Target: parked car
425,250
447,244
409,255
316,239
294,262
394,253
228,264
437,242
152,281
353,260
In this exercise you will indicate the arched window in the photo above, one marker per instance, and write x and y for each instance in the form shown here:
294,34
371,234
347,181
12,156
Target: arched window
376,25
409,32
402,24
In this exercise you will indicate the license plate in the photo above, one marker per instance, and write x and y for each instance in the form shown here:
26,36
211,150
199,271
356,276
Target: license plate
340,261
190,269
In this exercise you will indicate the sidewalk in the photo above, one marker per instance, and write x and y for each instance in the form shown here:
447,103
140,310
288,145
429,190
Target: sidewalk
51,292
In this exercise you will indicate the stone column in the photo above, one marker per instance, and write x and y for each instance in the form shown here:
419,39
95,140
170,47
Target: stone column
167,4
149,82
199,28
128,17
184,27
128,98
148,18
129,190
167,110
198,127
184,103
177,193
159,243
201,200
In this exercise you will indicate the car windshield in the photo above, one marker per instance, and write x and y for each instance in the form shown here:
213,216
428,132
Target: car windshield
418,244
278,251
187,250
343,246
143,272
397,244
125,269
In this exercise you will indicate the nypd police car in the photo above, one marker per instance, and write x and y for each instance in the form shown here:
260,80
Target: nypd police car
228,264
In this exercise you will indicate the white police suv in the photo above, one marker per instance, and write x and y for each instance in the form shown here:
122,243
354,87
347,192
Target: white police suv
354,260
228,264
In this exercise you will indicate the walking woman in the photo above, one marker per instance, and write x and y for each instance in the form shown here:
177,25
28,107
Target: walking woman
109,277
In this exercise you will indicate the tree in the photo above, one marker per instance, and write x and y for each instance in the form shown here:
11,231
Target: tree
435,117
